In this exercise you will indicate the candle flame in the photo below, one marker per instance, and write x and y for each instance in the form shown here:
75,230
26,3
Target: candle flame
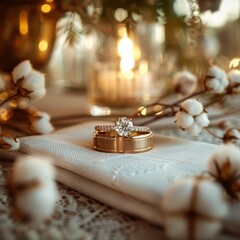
125,51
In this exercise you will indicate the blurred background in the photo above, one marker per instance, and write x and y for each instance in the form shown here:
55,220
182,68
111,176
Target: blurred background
99,46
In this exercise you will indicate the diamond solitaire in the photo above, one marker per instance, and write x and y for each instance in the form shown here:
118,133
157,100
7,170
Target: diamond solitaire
123,127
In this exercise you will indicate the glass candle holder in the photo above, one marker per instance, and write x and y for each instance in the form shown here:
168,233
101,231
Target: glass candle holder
128,72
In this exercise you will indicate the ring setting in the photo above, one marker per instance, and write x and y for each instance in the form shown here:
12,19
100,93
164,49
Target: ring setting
123,127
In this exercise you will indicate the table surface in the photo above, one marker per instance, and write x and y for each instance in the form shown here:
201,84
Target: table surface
77,216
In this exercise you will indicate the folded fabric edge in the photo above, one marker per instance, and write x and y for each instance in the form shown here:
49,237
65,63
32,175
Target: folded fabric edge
110,197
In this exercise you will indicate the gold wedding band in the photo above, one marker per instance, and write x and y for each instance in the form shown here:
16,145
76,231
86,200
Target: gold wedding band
109,141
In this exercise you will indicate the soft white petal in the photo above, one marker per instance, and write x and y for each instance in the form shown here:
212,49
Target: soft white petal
192,106
215,71
234,132
41,126
35,82
185,82
40,93
23,69
202,120
234,76
194,130
223,154
218,80
28,168
184,120
212,84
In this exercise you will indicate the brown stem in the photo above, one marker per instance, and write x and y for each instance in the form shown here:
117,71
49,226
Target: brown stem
169,114
219,99
166,106
18,129
213,134
188,97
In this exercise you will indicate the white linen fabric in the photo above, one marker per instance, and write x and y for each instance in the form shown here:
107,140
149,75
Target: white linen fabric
133,183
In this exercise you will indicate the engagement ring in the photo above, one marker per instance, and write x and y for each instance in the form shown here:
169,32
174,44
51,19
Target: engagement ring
123,127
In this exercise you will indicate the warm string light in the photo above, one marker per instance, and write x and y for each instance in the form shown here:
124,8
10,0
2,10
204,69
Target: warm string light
46,8
23,22
43,45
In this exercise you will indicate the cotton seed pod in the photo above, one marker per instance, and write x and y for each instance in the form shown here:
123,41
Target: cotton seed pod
192,106
40,123
35,83
232,135
234,78
192,117
224,167
193,209
33,188
185,82
21,70
216,80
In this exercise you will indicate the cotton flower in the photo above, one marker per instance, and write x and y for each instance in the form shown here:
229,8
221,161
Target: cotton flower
192,117
33,188
31,83
232,135
224,166
185,82
21,70
234,78
40,123
193,209
216,80
9,143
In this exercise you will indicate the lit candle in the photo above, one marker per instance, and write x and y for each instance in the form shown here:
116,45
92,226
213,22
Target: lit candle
128,82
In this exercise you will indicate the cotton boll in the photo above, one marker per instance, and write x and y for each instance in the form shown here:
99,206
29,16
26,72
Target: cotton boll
21,70
35,82
232,135
185,82
234,77
33,188
216,80
215,72
224,167
184,120
11,143
214,85
38,204
193,209
202,120
194,130
192,106
191,117
40,123
27,168
38,94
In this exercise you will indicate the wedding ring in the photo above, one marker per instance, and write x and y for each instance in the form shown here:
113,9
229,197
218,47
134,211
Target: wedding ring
123,127
110,142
